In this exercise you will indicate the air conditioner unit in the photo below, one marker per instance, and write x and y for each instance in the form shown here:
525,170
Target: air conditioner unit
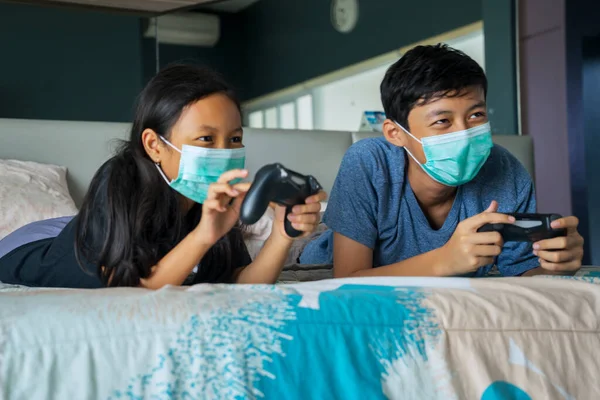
187,29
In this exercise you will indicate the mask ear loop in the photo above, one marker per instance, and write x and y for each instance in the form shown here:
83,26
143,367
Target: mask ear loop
158,164
160,171
407,150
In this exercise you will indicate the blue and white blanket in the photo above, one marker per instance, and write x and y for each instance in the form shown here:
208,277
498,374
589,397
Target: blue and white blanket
395,338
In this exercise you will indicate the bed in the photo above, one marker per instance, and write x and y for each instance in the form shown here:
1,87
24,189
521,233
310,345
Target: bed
309,337
394,338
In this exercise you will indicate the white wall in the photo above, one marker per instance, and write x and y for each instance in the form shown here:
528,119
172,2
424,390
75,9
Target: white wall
339,105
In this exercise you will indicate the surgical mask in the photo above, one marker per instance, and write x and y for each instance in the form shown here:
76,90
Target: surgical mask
200,167
455,158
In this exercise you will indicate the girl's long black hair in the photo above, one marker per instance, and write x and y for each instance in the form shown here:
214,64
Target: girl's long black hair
130,218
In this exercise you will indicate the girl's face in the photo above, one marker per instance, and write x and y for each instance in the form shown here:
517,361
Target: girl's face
213,122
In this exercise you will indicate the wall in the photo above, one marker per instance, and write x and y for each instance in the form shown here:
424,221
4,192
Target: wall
69,65
288,42
339,105
591,105
227,56
544,100
581,24
501,64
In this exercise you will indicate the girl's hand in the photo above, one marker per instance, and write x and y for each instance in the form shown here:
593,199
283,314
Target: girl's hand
304,218
219,213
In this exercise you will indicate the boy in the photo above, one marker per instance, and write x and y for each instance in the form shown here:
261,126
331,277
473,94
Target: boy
410,204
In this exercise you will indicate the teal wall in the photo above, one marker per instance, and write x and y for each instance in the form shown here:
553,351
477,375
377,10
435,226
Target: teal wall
68,65
288,41
501,65
84,65
226,57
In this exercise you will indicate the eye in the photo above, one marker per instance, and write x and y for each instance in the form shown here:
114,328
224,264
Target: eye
236,139
442,121
478,114
205,138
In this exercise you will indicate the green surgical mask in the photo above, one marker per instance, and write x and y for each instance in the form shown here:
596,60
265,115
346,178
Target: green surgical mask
455,158
200,167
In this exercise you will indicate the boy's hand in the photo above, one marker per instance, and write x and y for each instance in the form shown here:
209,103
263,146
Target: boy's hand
467,250
561,254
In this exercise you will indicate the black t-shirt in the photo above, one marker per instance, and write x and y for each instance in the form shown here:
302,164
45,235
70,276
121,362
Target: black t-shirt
52,262
49,263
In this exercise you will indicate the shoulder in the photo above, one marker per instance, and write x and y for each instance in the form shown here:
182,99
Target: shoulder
504,179
377,157
504,167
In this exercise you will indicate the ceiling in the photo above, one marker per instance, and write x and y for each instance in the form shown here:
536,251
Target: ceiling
230,6
140,6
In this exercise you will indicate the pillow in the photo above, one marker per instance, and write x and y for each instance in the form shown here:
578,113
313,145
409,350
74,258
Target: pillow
256,235
30,192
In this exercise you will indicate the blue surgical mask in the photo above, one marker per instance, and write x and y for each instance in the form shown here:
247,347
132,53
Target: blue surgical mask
455,158
200,167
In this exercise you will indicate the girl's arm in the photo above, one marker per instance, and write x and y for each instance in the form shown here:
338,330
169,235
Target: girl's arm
177,265
269,262
271,259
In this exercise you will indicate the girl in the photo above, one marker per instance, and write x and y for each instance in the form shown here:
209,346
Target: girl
166,204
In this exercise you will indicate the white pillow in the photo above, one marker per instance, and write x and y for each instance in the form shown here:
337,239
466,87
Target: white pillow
256,235
31,192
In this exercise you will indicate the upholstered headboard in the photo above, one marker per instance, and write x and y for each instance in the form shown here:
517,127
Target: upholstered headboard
83,146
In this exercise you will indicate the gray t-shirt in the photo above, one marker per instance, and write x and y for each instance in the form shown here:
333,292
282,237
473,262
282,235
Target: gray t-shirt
373,204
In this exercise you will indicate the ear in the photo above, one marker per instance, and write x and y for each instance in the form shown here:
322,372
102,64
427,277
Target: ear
153,145
393,133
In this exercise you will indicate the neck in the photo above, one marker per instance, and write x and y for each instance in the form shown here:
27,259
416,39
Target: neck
434,198
429,192
186,204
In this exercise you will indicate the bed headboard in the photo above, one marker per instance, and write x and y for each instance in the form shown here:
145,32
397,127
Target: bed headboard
80,146
83,146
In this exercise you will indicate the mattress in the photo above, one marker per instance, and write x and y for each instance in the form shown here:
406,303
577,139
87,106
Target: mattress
368,338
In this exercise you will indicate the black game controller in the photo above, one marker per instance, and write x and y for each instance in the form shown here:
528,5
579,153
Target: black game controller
275,183
527,228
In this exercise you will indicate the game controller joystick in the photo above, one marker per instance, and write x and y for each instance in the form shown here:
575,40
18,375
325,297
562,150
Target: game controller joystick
527,228
275,183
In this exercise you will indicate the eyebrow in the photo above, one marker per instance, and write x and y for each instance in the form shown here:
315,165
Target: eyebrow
212,129
437,113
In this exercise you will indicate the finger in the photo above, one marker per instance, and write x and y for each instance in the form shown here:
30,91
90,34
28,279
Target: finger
233,174
493,207
561,267
483,261
217,189
312,208
494,238
569,223
242,187
213,205
303,227
237,202
487,251
556,256
479,220
304,218
321,196
557,243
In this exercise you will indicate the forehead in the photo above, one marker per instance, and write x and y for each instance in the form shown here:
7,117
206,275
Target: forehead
217,108
452,101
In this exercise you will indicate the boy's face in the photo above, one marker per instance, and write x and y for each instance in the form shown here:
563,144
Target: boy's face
438,117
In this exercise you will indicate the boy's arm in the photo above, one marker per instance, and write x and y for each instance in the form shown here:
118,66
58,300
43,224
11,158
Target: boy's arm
465,252
352,259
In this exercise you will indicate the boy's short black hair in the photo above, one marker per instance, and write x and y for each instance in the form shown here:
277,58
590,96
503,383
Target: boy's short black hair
425,73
